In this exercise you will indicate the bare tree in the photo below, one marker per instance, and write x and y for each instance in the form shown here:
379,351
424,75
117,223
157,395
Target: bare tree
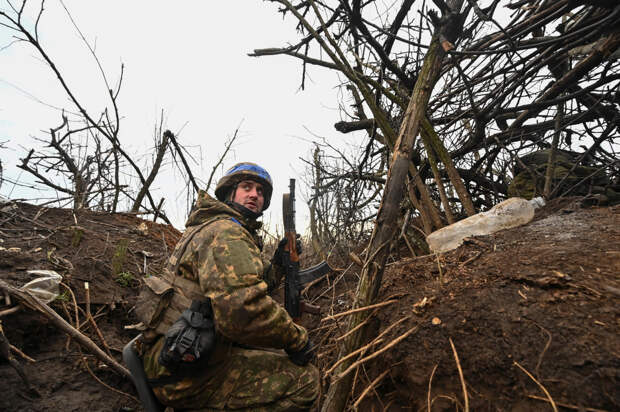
68,157
498,98
83,159
527,90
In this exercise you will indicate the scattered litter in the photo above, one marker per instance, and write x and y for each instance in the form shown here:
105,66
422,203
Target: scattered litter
510,213
537,202
143,228
421,304
46,287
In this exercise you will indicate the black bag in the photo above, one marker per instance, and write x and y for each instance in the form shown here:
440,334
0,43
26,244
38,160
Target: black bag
190,340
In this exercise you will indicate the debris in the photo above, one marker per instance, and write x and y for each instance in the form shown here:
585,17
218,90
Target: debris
422,304
507,214
143,228
45,287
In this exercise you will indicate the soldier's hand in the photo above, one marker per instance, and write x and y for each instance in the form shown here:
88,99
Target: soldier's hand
279,253
304,355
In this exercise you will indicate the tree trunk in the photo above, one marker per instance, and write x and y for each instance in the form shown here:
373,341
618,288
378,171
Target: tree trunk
453,174
386,227
432,161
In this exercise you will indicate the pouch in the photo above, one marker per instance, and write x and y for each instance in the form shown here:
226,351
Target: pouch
155,296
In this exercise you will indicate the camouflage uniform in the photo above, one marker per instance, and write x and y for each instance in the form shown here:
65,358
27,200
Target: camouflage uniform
224,259
576,179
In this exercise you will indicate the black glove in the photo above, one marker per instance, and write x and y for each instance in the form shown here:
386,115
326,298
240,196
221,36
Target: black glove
277,256
303,356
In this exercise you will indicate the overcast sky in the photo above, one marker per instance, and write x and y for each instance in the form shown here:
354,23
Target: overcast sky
188,58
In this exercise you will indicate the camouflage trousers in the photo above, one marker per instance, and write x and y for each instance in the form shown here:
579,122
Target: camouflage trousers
238,379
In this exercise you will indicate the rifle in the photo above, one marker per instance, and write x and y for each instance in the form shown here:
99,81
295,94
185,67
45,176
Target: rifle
294,278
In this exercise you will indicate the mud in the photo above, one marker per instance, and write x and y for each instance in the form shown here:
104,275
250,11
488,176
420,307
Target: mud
527,308
541,299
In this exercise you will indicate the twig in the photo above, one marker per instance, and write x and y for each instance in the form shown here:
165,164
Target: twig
75,306
540,358
90,318
549,398
31,301
10,310
471,259
363,349
430,384
356,328
377,353
458,366
356,310
568,405
369,388
105,384
22,354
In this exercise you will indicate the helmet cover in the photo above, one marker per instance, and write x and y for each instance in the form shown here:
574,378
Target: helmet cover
245,171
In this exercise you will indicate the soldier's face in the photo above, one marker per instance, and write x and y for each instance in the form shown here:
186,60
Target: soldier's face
250,194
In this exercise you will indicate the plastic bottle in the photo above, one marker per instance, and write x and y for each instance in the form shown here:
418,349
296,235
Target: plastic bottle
509,213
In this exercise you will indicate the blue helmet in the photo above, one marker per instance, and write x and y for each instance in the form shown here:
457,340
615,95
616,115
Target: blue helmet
244,171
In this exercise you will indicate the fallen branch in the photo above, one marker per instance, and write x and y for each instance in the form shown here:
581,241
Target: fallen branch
29,300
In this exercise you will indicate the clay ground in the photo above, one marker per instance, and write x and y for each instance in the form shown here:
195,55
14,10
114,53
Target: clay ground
528,308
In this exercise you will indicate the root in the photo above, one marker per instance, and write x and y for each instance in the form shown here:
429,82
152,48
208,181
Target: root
356,310
458,366
369,388
85,363
363,349
430,384
377,353
568,405
549,398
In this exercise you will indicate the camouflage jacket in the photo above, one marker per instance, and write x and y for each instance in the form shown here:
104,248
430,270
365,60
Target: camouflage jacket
224,258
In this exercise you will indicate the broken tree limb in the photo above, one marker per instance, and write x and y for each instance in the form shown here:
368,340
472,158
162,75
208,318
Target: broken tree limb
386,226
30,301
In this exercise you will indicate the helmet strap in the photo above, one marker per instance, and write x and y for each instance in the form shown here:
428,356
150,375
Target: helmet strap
245,212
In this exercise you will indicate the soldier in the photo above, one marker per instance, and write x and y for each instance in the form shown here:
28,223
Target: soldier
218,258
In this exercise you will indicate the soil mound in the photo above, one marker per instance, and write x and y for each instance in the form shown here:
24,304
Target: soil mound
525,309
109,251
